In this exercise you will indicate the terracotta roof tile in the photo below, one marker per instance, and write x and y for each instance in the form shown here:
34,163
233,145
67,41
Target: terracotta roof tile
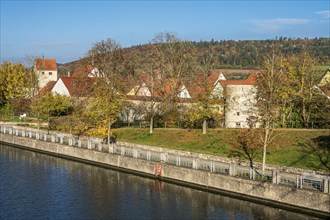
47,88
77,86
45,64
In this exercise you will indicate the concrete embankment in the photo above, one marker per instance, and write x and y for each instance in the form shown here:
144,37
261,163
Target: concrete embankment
306,201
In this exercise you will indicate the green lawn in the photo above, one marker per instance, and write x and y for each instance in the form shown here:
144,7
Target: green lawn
288,149
16,119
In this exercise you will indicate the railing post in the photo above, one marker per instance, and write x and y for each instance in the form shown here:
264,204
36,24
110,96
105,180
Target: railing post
112,148
274,176
163,157
23,133
326,185
194,164
135,153
178,160
70,141
53,138
148,155
61,139
212,167
79,143
89,144
10,131
37,135
232,169
45,137
16,132
30,134
99,146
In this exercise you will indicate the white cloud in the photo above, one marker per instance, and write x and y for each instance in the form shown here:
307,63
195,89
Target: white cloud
324,14
275,24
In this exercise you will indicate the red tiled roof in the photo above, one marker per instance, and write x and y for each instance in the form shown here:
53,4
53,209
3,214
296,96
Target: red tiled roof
90,68
45,64
201,85
76,86
47,88
251,80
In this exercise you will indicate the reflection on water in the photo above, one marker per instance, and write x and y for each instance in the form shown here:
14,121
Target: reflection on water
37,186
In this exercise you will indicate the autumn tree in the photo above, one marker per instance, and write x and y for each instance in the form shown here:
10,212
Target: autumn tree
319,147
208,100
304,77
169,66
46,106
106,99
268,83
248,144
16,85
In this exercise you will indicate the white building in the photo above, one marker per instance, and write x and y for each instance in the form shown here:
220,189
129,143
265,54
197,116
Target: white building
240,102
45,70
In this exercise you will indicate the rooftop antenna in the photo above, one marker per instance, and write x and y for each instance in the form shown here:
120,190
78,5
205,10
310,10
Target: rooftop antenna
43,56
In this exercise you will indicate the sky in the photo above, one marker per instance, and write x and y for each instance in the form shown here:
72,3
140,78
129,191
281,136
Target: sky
66,30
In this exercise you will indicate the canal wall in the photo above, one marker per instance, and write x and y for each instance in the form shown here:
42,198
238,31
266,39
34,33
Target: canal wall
307,201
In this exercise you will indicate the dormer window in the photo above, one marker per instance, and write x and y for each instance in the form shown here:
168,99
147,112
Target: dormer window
238,114
238,124
50,73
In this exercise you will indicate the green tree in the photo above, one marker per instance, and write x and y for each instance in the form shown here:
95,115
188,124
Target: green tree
46,106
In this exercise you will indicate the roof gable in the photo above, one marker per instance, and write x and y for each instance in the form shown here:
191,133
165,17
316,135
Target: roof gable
184,93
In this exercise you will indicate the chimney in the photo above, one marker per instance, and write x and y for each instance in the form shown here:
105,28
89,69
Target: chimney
69,74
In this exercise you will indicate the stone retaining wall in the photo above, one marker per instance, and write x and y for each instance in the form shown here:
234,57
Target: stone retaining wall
305,200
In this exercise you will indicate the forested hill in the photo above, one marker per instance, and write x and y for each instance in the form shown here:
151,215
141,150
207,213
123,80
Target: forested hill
249,53
236,54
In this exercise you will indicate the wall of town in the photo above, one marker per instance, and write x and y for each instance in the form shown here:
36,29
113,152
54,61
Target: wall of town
308,201
240,101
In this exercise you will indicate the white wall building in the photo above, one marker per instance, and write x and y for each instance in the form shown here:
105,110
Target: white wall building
45,70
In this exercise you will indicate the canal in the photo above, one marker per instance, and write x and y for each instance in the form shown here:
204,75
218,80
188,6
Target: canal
38,186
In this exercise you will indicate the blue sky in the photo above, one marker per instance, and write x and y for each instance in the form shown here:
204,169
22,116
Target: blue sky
65,30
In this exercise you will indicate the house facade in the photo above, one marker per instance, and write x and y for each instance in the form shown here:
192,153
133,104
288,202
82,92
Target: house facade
237,98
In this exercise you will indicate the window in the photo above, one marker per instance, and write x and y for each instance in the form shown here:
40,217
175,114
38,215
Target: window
50,73
237,113
43,73
238,124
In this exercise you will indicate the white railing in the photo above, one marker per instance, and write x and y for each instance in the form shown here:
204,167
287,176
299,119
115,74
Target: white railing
308,182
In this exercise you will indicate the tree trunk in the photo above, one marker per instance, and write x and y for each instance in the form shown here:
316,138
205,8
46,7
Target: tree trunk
204,125
265,148
109,132
151,127
38,121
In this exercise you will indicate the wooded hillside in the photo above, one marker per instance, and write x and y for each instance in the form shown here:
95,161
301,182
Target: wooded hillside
236,54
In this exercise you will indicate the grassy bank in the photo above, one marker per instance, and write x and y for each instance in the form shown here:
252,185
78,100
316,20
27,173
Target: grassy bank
288,149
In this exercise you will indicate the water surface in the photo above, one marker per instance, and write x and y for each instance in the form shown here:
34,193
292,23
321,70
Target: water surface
38,186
